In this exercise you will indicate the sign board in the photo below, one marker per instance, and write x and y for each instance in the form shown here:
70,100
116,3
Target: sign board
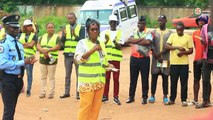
197,11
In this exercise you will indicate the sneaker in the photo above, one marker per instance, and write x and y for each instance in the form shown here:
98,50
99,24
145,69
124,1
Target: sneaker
42,96
184,104
65,96
210,104
144,102
28,94
105,99
152,99
169,103
130,100
117,101
191,103
165,100
50,96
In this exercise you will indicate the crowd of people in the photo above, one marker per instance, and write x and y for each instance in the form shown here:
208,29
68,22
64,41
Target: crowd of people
97,56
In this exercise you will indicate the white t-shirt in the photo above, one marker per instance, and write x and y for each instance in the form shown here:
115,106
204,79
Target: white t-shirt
112,36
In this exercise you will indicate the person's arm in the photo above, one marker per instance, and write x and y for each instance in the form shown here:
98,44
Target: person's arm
4,62
86,55
57,47
189,46
117,45
132,40
41,50
63,35
169,46
29,45
187,52
147,41
81,34
82,54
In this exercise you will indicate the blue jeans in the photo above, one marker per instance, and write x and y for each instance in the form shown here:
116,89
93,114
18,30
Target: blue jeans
29,70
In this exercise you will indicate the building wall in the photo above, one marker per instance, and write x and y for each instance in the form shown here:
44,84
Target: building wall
62,10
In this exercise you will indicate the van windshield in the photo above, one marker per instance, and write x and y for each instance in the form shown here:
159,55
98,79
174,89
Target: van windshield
101,15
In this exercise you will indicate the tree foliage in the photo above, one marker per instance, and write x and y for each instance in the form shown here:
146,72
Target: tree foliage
10,5
188,3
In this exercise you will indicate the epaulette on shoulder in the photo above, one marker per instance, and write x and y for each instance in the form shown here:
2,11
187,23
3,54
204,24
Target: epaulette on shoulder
2,40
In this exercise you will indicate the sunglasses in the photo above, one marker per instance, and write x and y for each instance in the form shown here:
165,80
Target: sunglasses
94,29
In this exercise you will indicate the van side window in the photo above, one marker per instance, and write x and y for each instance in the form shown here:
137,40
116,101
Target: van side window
132,11
123,14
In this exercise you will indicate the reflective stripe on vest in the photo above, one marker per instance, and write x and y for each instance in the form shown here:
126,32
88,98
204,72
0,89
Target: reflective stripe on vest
51,43
28,51
112,52
93,70
71,43
2,33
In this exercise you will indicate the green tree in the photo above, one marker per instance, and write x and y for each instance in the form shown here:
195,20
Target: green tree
192,3
8,6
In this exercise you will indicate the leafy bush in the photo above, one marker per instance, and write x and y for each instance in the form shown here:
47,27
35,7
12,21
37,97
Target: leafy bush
59,22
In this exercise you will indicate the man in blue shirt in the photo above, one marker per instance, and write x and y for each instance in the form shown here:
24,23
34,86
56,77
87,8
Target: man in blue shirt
12,64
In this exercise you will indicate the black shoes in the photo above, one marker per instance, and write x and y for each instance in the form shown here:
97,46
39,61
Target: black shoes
105,99
130,100
144,101
65,96
117,101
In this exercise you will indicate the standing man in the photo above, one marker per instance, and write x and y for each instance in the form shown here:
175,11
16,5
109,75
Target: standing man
180,46
71,35
198,59
12,63
113,40
2,37
28,38
160,58
207,41
140,60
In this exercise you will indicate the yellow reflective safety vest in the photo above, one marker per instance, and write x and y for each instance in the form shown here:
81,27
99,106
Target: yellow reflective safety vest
113,53
2,33
28,51
49,44
71,43
93,70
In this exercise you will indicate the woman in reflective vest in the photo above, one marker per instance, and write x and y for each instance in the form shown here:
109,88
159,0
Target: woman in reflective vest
48,47
28,39
91,57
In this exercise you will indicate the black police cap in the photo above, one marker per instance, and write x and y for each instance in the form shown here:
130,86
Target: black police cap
11,20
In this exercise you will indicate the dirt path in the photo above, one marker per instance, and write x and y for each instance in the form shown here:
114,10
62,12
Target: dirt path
33,108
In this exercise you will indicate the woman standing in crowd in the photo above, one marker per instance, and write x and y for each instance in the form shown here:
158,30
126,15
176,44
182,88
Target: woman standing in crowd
90,55
28,39
48,46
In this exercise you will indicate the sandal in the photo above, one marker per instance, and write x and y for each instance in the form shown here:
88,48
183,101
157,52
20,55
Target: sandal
202,105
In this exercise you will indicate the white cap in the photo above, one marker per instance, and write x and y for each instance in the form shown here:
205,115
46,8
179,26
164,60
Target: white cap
113,18
27,22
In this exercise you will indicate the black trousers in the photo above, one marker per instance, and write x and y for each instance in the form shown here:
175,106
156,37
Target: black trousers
11,88
164,83
0,86
206,76
176,72
141,65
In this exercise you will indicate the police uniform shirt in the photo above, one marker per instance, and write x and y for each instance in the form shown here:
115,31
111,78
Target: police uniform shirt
9,60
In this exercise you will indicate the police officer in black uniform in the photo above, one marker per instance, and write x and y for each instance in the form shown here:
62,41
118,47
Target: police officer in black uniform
12,63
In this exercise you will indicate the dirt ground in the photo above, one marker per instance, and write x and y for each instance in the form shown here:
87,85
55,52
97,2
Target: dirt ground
33,108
